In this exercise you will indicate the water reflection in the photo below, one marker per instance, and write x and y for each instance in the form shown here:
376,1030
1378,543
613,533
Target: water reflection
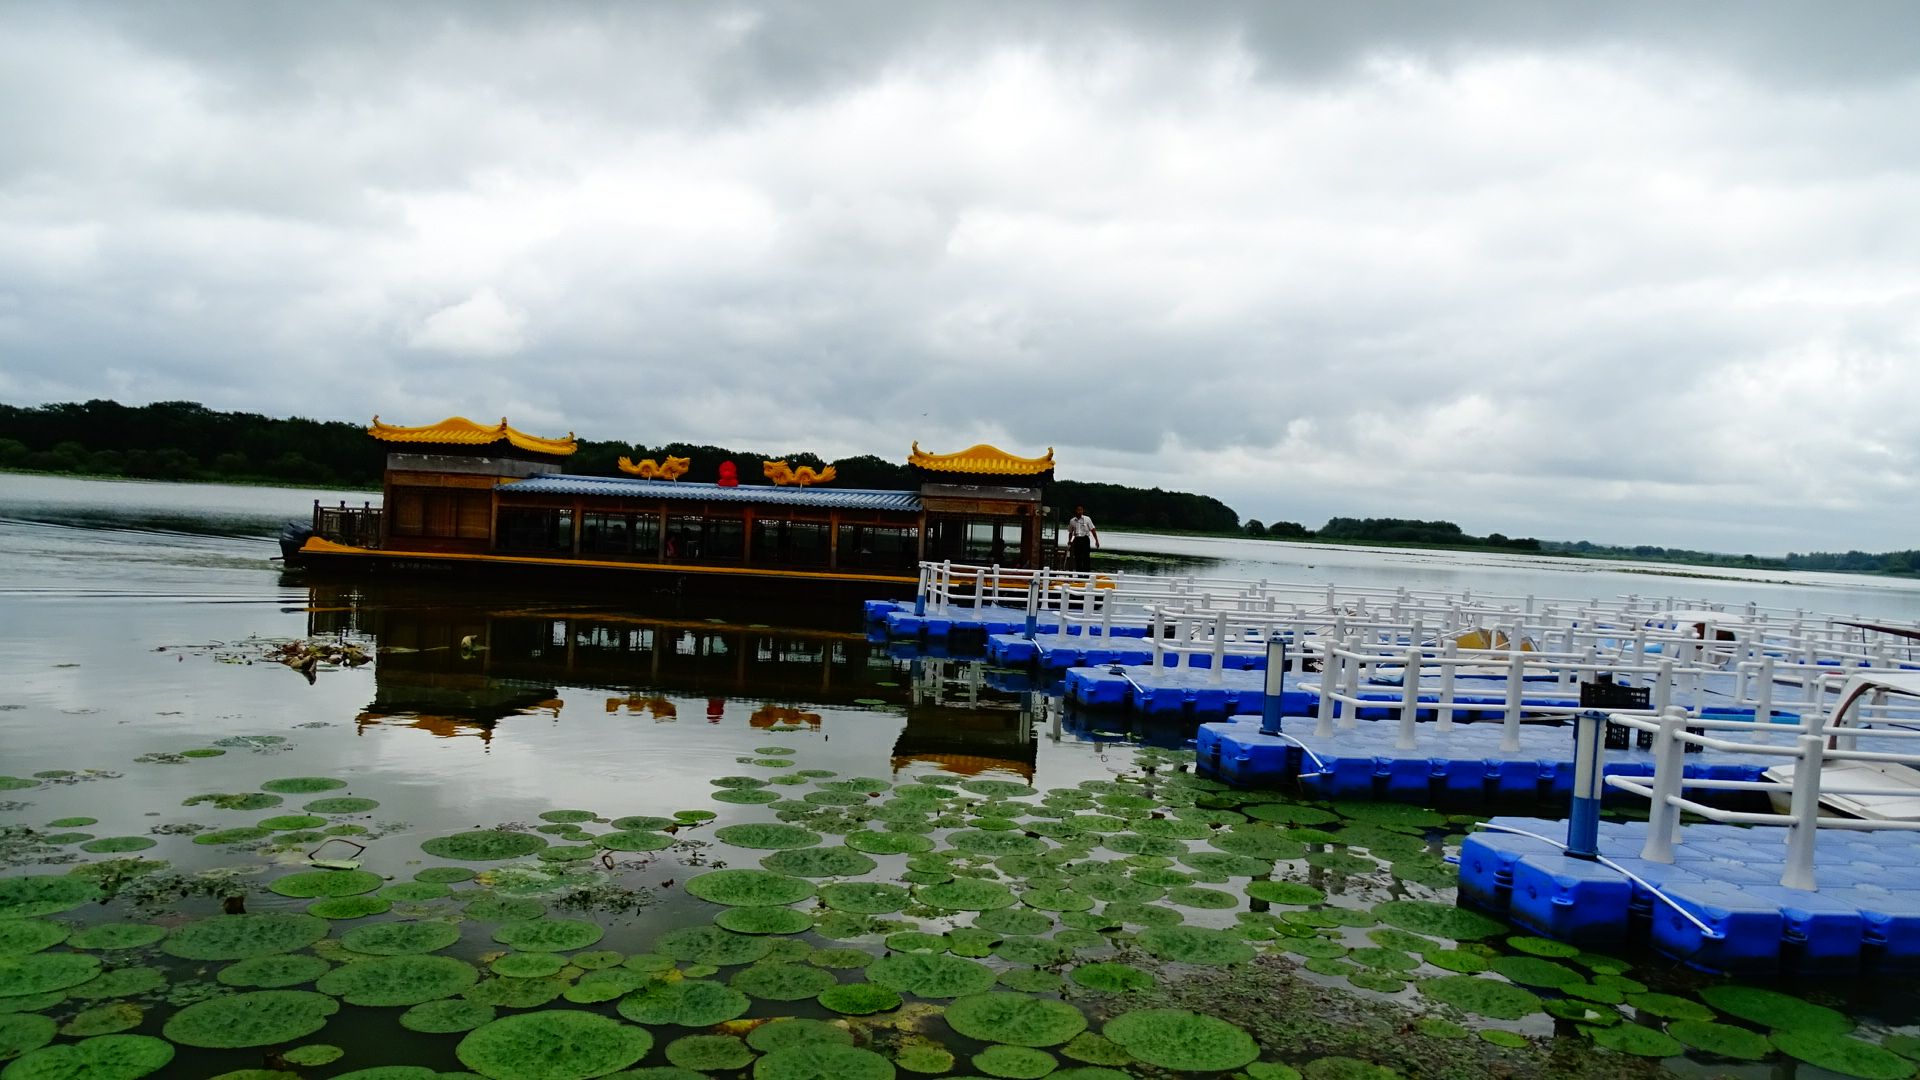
464,671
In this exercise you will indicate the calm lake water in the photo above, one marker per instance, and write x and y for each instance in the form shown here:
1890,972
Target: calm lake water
134,624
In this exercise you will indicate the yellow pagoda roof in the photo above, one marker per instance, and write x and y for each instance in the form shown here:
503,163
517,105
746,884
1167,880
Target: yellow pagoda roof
981,459
460,431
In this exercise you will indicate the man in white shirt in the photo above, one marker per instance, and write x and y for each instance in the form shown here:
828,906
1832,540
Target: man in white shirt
1082,538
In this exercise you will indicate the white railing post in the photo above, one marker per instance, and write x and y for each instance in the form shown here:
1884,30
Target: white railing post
1516,674
1332,674
1219,648
1350,718
1669,765
1409,700
1805,810
1449,661
1662,687
1763,699
1156,648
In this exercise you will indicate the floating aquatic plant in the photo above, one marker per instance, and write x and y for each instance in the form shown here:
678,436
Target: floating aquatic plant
793,1031
709,1052
815,862
349,907
515,993
1773,1009
119,983
1534,971
764,920
43,894
822,1061
552,1044
446,1016
1095,1050
864,897
1439,920
549,934
749,888
527,965
1015,921
1842,1054
1015,1019
1181,1040
1032,980
782,982
501,909
1721,1040
313,1054
19,937
634,840
1258,842
687,1003
859,999
303,785
416,892
1485,997
22,1032
407,979
767,836
712,945
484,845
1634,1039
931,975
239,937
891,843
1014,1062
745,796
1194,945
342,804
113,845
319,883
244,800
244,834
840,959
274,972
100,1020
256,1018
105,1057
1111,977
399,938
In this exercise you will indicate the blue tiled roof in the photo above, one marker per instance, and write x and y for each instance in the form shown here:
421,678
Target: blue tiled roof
617,487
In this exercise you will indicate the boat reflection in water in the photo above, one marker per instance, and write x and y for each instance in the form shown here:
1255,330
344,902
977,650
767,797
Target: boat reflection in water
450,668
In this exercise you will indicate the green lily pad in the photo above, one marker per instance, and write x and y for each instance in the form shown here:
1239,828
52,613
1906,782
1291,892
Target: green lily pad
1032,980
256,1018
515,993
1842,1054
1721,1040
687,1003
817,862
931,975
109,845
120,983
108,1019
446,1016
400,938
105,1057
527,965
1533,971
713,945
865,897
303,785
1016,921
1634,1039
1773,1009
859,999
919,1054
341,804
767,836
240,937
484,845
1286,893
245,834
840,959
1014,1062
1258,842
274,972
1095,1050
780,1034
44,894
445,875
549,934
822,1061
22,1032
1438,920
888,843
1111,977
782,982
313,1054
764,920
1485,997
1015,1019
1181,1040
749,888
504,909
19,937
1665,1006
553,1044
318,883
419,892
967,894
244,800
349,907
709,1052
407,979
1194,945
291,822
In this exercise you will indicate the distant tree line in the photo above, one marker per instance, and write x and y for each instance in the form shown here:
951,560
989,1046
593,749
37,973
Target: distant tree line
1850,562
1391,531
184,440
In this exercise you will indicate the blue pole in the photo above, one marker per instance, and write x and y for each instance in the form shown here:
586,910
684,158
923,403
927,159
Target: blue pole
1276,685
1033,607
1589,761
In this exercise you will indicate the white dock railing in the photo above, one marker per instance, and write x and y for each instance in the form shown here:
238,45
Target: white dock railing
1863,709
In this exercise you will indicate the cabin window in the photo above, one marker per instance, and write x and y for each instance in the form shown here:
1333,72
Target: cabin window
465,515
536,530
629,535
690,536
980,540
878,547
789,543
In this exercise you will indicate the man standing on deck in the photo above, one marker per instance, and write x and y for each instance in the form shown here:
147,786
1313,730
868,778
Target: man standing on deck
1082,538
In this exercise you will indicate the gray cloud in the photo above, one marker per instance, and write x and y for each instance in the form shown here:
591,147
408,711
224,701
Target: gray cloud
1636,273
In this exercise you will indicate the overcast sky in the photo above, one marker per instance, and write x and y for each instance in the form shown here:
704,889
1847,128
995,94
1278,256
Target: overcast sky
1636,272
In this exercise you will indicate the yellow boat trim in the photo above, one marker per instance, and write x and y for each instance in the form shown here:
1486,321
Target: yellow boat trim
982,460
315,545
460,431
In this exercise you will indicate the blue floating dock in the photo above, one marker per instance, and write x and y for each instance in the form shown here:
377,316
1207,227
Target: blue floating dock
1725,877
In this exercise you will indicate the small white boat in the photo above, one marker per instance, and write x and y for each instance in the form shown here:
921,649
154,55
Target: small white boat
1890,780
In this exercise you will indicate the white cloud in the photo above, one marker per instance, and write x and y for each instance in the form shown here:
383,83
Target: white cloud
482,325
